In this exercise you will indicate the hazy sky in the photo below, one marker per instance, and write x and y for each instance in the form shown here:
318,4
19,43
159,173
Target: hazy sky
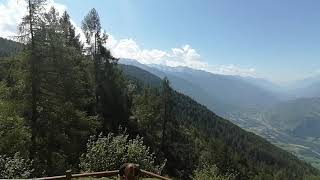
275,39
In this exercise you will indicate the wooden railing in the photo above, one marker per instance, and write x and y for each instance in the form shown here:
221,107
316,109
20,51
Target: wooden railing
69,175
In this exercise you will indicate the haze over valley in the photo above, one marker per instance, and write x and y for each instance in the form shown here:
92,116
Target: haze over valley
287,116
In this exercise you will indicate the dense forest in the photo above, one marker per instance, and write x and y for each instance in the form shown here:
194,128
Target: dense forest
9,47
67,104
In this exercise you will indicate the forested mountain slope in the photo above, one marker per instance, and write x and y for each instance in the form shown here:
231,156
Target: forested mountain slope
9,47
228,145
290,124
220,93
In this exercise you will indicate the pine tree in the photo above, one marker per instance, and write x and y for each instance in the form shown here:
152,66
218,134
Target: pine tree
65,124
167,107
28,30
61,91
111,96
70,36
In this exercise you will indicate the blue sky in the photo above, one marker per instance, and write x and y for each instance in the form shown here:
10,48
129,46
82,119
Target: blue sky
279,39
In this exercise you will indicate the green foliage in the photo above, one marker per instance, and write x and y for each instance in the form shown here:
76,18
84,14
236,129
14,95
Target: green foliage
111,101
14,167
146,110
9,47
140,154
135,74
196,134
110,152
14,134
210,172
312,178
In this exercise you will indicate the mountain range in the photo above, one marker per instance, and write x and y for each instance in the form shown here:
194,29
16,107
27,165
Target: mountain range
288,117
220,93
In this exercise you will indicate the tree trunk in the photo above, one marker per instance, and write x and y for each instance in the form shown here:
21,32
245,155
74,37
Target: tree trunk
33,84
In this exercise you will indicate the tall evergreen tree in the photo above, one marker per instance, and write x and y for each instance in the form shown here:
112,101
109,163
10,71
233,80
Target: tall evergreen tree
166,110
61,91
68,29
29,29
65,124
111,96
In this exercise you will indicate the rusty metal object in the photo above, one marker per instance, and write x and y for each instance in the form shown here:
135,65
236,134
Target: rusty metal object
129,171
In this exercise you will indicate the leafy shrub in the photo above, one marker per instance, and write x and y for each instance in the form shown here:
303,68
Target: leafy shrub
14,167
110,152
210,172
14,134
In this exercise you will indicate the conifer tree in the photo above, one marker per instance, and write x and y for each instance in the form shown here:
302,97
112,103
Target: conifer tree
166,111
28,30
110,86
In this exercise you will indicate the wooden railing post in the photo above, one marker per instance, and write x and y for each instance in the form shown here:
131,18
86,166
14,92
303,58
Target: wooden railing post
68,175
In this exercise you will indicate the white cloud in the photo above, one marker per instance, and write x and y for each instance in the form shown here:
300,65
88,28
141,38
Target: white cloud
11,12
128,48
232,70
183,56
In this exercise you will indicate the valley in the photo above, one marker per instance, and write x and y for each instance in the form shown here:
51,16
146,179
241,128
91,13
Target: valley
253,104
306,148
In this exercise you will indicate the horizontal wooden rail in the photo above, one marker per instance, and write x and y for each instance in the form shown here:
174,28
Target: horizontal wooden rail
150,174
53,177
94,174
68,175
